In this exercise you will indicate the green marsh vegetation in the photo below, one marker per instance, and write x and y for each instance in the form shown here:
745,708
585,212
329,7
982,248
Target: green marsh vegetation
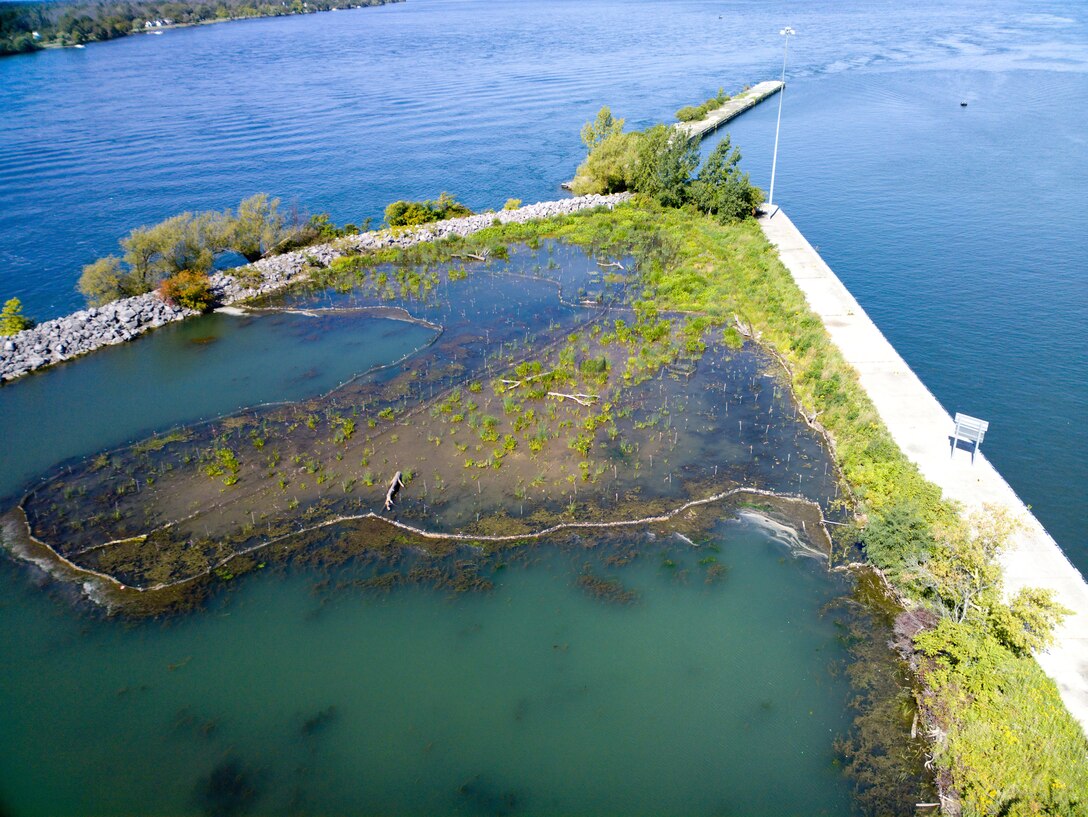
550,412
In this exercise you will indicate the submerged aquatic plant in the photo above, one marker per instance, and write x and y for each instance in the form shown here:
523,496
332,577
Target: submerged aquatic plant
229,790
609,590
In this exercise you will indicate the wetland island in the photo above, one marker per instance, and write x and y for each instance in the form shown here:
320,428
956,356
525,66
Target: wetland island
626,389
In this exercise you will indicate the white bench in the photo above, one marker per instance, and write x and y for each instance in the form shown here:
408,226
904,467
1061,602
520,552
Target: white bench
970,430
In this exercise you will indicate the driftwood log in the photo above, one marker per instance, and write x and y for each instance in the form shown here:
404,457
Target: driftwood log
746,329
580,399
515,383
394,488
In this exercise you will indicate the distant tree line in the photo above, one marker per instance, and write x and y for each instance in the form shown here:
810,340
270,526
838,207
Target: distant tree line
664,164
28,27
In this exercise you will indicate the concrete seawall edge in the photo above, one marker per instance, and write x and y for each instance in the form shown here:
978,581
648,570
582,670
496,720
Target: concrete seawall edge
921,427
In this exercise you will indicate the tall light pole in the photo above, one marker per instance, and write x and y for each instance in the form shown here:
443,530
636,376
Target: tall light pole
787,32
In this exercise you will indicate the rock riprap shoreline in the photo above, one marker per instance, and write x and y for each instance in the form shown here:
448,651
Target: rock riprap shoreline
84,331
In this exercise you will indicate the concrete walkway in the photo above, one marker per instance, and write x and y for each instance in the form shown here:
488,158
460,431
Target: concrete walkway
731,109
922,428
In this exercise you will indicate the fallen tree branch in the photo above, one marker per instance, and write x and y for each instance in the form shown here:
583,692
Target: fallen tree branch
611,264
470,256
580,399
515,383
394,487
746,328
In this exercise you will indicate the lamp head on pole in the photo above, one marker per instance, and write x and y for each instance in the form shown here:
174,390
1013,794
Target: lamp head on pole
787,32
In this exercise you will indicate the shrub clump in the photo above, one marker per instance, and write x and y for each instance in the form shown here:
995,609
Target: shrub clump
189,241
413,213
693,113
190,289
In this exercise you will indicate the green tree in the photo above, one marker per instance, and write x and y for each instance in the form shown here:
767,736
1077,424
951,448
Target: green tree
12,319
721,189
963,573
1026,624
322,228
188,242
143,254
104,281
601,128
448,207
408,214
182,242
666,160
610,166
412,213
257,228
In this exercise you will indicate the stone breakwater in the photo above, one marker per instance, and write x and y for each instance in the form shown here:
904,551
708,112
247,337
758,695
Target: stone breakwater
84,331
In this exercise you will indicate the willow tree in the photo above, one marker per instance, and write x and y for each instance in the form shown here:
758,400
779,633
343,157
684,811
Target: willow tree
257,228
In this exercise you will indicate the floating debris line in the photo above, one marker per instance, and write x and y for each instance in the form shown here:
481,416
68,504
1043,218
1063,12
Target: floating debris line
12,535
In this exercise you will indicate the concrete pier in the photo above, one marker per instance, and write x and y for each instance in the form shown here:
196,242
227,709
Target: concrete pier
730,110
922,428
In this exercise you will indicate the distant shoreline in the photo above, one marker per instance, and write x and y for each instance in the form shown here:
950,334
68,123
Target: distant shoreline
35,45
136,32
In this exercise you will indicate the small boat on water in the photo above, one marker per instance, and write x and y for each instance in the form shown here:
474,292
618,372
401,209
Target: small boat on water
963,104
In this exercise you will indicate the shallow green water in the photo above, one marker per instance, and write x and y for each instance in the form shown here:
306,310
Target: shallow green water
532,699
182,373
297,692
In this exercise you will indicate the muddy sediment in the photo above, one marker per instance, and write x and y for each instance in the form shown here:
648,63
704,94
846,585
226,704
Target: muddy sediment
546,405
